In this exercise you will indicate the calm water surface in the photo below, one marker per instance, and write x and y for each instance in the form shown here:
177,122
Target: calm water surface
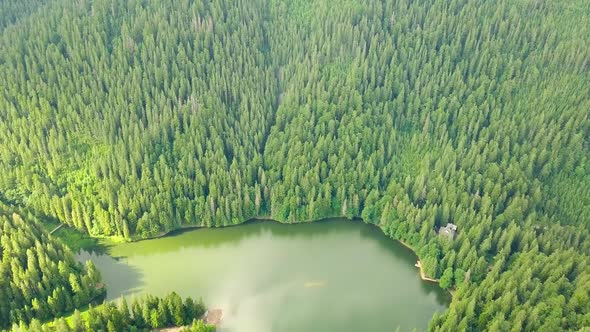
333,275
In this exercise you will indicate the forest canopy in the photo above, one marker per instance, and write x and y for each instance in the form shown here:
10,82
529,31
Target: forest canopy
133,118
147,313
39,278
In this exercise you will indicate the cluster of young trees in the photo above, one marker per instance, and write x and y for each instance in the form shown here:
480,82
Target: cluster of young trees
39,277
145,314
199,326
132,118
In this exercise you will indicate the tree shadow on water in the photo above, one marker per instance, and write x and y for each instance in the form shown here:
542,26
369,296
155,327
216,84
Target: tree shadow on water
120,278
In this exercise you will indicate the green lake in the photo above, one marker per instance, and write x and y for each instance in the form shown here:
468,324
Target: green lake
335,275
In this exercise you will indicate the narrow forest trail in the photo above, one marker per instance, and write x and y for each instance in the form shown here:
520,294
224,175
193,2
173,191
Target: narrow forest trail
56,229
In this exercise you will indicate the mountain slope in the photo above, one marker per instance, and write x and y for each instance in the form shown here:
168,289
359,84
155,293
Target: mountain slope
134,118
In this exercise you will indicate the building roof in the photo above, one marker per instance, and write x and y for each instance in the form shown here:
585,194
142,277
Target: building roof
452,227
448,230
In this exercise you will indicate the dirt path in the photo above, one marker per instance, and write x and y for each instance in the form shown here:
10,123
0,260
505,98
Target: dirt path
418,264
170,329
422,275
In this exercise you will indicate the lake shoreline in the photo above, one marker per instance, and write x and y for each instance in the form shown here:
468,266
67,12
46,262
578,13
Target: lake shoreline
418,264
186,228
252,270
423,275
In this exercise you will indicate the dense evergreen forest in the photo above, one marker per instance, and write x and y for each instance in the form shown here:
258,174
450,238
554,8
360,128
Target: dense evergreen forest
39,277
133,118
13,10
144,314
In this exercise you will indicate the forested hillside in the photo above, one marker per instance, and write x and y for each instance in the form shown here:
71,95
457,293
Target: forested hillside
39,277
133,118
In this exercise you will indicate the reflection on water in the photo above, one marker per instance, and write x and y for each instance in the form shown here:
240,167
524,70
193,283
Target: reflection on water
121,279
328,276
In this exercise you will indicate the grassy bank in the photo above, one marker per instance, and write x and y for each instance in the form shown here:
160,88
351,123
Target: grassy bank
77,240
